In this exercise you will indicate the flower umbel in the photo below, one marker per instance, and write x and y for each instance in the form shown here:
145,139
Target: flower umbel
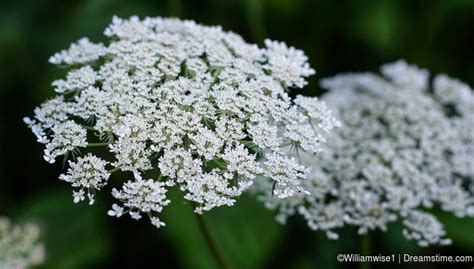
403,149
19,245
88,172
175,103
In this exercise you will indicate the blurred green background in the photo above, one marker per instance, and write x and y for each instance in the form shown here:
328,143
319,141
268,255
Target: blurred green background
337,36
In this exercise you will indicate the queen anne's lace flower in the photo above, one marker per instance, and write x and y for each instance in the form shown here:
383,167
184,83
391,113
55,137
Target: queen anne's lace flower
183,104
403,148
66,137
424,228
20,246
141,196
81,52
87,173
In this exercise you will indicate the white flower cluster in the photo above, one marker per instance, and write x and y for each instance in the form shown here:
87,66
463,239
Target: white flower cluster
180,104
19,245
403,149
141,196
88,172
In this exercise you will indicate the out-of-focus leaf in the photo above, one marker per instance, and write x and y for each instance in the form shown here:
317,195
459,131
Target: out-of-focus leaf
393,241
254,12
325,253
284,7
304,264
246,234
377,25
458,229
75,235
3,193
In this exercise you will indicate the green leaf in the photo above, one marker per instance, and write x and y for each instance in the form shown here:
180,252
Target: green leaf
458,229
246,234
75,235
393,240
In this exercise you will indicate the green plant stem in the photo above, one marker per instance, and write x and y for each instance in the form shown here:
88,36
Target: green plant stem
211,244
90,128
113,170
366,249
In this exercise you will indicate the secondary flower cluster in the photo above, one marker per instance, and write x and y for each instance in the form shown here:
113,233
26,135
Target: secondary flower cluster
178,103
403,148
19,245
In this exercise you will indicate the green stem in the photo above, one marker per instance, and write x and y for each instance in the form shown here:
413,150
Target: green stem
90,128
366,249
211,244
103,144
113,170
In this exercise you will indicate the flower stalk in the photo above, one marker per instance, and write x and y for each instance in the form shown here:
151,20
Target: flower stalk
211,244
366,249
